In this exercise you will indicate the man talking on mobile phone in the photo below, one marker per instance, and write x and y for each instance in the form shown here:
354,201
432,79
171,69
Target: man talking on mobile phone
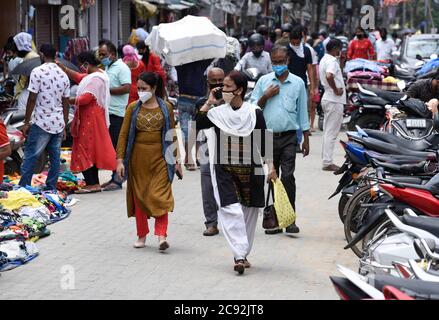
215,78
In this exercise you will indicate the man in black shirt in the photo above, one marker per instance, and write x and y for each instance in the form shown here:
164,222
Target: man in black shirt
300,64
215,78
191,87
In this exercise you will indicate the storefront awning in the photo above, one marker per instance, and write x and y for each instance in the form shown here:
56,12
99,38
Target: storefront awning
175,5
144,9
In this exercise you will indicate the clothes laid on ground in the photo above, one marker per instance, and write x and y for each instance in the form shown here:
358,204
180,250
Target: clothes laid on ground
24,217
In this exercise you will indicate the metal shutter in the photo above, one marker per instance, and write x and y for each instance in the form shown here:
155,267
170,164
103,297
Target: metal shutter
125,16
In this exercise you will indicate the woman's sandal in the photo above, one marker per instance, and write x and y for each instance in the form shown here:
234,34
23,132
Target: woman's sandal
88,191
163,245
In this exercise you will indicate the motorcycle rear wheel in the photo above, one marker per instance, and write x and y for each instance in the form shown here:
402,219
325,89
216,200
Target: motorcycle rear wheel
353,214
344,199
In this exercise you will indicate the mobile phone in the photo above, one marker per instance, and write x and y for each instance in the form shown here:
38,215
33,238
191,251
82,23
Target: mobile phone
178,175
218,94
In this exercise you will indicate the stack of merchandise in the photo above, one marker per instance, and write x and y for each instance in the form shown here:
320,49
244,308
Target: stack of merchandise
25,214
372,74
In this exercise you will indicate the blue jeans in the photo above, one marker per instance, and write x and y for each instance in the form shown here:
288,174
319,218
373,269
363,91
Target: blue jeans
37,141
186,109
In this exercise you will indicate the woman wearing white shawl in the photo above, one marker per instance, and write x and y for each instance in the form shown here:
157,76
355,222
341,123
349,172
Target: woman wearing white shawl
236,165
92,148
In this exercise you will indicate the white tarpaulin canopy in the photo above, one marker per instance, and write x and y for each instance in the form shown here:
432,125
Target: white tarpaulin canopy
187,40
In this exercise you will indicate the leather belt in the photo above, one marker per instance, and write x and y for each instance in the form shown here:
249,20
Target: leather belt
283,134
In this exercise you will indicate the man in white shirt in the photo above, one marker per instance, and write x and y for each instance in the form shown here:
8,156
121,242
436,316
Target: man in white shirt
47,113
385,46
333,100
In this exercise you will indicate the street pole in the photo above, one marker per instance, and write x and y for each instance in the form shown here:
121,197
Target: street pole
427,15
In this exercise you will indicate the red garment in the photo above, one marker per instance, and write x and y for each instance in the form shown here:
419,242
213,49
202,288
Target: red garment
154,65
4,141
91,139
361,49
135,73
161,223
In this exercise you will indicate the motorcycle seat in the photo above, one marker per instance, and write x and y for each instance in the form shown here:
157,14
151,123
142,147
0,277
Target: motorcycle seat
373,100
389,148
409,179
395,159
419,287
415,145
425,223
414,168
389,96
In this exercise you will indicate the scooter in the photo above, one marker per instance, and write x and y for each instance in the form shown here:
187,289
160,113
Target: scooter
369,107
382,287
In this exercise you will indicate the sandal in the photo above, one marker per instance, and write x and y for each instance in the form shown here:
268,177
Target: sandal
112,187
88,191
239,266
163,245
190,167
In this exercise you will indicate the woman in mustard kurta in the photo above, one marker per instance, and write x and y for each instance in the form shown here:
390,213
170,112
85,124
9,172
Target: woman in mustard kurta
142,157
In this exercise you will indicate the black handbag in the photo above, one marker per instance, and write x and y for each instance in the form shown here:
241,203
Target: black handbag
270,217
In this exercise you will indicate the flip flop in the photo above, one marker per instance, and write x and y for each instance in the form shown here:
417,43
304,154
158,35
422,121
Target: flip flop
87,191
112,187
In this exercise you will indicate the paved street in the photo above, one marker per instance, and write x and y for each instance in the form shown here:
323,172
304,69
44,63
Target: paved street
96,243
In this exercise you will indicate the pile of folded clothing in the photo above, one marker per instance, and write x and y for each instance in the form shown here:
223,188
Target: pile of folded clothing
25,214
373,74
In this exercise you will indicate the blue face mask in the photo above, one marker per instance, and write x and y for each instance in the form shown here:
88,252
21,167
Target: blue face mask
106,61
280,70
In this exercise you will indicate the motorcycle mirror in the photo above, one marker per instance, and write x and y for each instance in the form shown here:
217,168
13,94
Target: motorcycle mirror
419,57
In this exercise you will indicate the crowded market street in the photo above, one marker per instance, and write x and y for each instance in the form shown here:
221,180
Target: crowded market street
95,246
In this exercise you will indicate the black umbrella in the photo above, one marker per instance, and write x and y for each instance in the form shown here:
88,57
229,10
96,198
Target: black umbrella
25,68
68,64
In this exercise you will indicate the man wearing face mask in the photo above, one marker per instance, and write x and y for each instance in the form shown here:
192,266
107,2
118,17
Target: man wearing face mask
283,98
361,47
385,46
47,113
120,86
215,78
257,58
301,65
333,100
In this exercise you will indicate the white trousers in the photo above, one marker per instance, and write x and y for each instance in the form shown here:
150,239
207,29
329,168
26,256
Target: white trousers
331,128
238,224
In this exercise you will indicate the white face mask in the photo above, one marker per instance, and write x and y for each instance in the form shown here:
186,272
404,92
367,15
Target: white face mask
228,97
145,96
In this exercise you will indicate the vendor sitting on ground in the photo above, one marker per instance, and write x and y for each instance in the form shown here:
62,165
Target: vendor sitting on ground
5,149
425,89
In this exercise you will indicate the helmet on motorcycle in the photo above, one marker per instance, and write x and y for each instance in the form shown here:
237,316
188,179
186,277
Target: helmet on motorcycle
256,40
287,27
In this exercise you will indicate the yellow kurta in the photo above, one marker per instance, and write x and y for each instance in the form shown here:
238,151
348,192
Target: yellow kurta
148,182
